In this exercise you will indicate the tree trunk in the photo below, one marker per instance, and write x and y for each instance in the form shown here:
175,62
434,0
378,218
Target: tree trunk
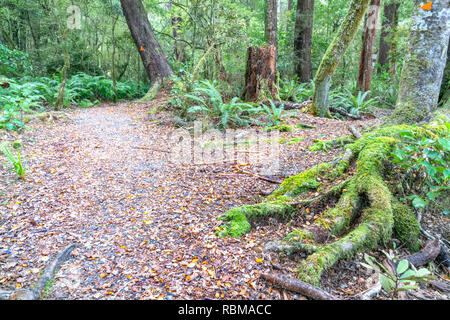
60,100
302,39
155,62
390,23
271,23
260,77
334,54
368,44
424,65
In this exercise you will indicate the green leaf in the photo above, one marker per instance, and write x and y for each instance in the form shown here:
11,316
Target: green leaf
402,266
419,203
386,283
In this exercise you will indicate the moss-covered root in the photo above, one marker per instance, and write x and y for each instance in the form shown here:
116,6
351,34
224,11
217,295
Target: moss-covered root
406,226
238,220
375,228
366,190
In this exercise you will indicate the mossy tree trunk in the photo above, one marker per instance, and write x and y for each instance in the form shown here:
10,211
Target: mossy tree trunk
424,65
334,54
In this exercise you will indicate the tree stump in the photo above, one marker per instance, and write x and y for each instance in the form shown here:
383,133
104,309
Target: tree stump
261,74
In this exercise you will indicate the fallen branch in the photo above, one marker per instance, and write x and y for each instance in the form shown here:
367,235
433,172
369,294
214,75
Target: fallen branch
260,177
288,105
298,286
426,255
344,113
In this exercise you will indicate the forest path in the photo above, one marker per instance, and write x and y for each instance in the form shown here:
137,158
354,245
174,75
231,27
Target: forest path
146,227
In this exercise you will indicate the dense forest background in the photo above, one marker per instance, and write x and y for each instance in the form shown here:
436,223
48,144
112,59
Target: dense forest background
35,37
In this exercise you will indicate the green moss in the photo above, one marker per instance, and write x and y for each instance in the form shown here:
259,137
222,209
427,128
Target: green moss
406,226
238,220
299,235
303,182
325,145
281,128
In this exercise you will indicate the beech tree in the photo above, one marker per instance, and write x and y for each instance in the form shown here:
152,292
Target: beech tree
151,53
424,65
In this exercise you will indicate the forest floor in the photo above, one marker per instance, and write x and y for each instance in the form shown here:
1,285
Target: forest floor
146,227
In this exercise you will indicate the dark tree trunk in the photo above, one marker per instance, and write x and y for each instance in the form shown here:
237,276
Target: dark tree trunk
368,44
260,77
152,56
302,39
390,23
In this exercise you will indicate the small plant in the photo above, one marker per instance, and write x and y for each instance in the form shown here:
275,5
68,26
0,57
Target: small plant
403,276
274,114
19,169
292,90
9,120
422,166
210,102
354,104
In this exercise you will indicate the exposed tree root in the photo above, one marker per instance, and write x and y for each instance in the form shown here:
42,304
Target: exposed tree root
426,255
365,215
35,292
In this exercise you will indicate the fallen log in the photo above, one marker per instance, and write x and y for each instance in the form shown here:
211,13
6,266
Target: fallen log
298,286
288,105
426,255
344,113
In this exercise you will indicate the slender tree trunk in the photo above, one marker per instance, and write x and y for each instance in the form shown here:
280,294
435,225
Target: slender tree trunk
60,100
368,44
113,62
155,62
390,23
424,65
334,54
271,30
302,39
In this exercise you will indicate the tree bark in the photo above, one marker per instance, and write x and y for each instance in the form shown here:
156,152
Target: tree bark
302,39
389,25
155,62
424,65
369,36
271,23
334,54
260,77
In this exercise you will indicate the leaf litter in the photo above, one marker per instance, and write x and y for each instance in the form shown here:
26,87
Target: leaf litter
147,228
